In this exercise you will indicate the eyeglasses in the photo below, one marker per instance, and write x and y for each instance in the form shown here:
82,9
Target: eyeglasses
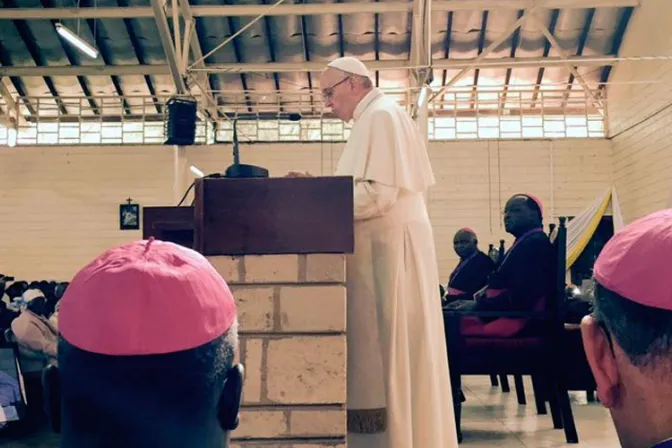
328,92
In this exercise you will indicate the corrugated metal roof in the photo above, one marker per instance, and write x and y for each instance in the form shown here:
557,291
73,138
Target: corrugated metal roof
384,36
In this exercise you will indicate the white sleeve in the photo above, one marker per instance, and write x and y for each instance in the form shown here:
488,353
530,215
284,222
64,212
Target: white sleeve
373,199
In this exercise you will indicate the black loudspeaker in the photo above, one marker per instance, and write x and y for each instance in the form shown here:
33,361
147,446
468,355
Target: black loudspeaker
180,127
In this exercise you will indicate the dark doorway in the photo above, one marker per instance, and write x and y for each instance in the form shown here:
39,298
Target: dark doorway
583,267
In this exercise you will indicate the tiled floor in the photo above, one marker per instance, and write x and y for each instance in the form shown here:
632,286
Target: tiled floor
490,419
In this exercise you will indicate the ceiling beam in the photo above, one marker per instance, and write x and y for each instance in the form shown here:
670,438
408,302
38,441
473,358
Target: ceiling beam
13,113
313,66
7,96
421,44
555,15
138,12
168,46
563,54
201,80
421,57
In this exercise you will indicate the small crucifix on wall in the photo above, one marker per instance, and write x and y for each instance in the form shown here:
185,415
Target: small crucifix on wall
129,215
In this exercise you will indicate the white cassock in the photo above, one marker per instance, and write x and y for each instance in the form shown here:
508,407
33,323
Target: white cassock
399,393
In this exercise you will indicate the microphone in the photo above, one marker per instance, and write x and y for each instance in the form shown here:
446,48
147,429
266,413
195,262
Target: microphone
238,170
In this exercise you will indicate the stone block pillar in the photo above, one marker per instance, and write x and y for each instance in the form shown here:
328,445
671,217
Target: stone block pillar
292,323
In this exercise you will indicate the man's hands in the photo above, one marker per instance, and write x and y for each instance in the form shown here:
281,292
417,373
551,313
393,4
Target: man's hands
297,174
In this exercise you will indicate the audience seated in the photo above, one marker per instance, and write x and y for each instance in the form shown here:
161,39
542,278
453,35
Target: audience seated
36,336
148,339
16,294
473,270
27,308
628,339
523,280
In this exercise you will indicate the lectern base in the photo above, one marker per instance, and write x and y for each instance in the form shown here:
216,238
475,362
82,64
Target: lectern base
291,311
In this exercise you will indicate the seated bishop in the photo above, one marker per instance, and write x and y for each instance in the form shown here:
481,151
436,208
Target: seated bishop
523,280
472,272
146,354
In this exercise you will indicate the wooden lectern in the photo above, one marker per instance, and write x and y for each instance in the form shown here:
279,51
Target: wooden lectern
174,224
280,243
274,216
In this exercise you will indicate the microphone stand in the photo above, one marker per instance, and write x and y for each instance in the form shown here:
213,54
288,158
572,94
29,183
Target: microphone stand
238,170
235,171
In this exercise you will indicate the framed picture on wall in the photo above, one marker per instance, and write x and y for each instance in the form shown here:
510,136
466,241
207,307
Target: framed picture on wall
129,216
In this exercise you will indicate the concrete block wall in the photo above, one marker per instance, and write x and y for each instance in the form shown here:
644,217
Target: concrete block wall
640,114
59,206
475,179
291,311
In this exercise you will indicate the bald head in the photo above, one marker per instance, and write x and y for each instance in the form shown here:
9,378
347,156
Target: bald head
465,243
344,82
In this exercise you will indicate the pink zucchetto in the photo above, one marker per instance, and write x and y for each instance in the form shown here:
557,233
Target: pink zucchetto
146,298
536,200
635,263
467,230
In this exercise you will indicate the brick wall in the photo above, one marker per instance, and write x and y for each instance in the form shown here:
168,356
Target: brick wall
291,311
640,114
59,205
475,179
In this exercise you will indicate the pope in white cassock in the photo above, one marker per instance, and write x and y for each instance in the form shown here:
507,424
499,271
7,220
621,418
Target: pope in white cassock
399,392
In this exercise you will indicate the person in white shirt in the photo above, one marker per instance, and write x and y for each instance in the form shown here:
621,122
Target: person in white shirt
399,393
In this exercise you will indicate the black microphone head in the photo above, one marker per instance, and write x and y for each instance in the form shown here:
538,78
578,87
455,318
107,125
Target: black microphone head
239,171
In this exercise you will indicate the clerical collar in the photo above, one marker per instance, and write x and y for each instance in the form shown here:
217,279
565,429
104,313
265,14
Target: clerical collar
365,102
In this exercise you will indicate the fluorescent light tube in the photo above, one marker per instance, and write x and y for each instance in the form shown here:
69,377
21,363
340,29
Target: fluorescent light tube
77,41
196,171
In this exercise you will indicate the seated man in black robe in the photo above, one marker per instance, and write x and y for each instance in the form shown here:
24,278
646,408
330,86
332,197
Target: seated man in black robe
148,339
473,270
524,279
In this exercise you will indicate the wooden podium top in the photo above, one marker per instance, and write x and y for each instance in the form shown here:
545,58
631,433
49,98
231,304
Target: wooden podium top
174,224
274,216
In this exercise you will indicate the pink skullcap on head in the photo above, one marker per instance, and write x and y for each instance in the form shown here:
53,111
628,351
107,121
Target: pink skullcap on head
467,230
536,200
635,263
144,298
531,197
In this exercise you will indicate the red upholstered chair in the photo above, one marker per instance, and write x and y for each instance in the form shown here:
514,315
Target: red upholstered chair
535,353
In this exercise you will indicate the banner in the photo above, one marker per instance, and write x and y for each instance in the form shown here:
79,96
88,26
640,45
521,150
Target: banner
581,229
